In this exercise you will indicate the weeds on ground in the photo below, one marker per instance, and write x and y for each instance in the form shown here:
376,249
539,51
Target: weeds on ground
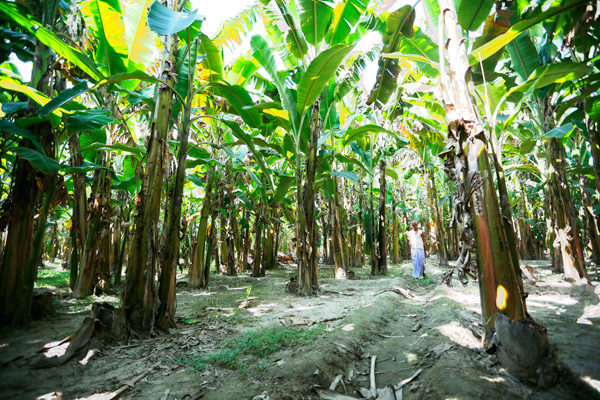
252,348
52,275
425,281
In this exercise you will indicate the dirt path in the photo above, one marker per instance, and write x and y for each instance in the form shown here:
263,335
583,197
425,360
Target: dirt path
424,327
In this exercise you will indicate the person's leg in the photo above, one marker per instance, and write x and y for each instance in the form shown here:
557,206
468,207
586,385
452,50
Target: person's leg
419,263
416,272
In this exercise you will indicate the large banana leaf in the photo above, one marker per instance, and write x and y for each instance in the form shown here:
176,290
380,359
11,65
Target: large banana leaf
139,37
544,76
422,50
168,22
104,20
318,73
357,133
89,120
283,187
186,60
432,12
315,17
345,174
262,52
399,23
524,55
138,152
490,48
241,70
213,63
235,29
39,161
247,139
294,38
239,99
553,73
346,15
495,25
471,14
47,37
288,54
63,98
14,129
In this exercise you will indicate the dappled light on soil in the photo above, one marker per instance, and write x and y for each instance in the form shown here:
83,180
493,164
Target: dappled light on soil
459,334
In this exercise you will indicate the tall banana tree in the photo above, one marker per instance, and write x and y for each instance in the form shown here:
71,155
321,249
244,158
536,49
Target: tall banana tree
308,26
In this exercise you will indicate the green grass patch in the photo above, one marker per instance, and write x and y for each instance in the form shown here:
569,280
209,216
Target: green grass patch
252,348
425,281
52,276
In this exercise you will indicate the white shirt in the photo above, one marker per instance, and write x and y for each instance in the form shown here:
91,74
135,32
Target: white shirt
416,240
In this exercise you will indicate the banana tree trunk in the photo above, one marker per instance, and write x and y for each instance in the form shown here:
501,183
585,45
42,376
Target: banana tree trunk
395,250
50,188
79,205
258,230
197,274
442,243
230,235
338,255
476,203
168,272
89,268
591,222
567,242
371,232
19,243
381,265
308,280
140,302
361,225
595,149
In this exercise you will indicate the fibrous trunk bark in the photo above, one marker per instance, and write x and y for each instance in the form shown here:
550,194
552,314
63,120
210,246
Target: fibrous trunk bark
140,300
567,243
380,266
166,290
308,281
476,204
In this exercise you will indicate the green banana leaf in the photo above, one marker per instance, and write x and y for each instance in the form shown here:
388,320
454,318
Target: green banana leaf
168,22
346,16
262,52
89,120
139,37
63,98
490,48
524,55
104,20
235,29
318,73
47,37
242,70
399,23
345,174
39,161
471,14
283,187
214,58
240,100
357,133
14,129
315,17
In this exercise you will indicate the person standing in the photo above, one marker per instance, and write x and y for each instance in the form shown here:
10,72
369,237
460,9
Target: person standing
418,250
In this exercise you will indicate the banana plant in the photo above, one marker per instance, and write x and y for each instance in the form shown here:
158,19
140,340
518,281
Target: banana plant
306,25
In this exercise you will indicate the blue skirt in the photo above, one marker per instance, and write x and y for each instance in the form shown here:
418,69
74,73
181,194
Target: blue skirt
418,259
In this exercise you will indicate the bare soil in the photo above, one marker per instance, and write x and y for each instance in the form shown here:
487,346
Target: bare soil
409,325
